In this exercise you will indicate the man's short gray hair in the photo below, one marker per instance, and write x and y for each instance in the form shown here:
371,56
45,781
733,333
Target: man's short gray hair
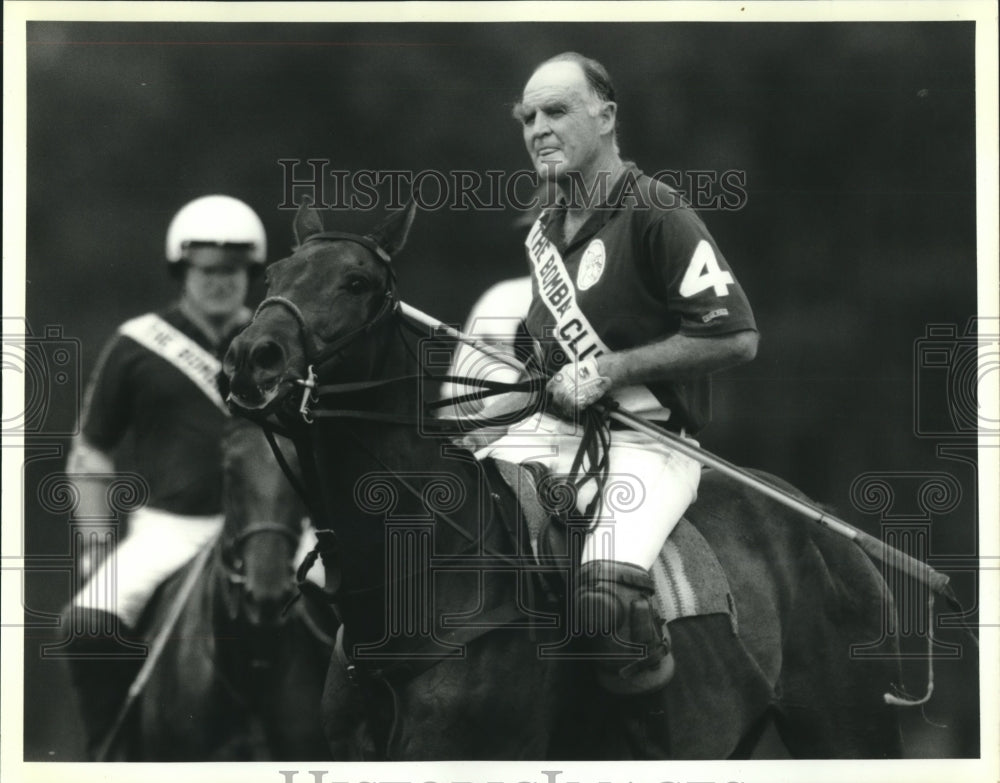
598,79
597,76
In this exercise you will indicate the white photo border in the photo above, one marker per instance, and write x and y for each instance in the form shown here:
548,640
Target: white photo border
912,771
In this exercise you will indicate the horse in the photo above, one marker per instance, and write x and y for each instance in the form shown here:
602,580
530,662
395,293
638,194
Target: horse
450,648
237,679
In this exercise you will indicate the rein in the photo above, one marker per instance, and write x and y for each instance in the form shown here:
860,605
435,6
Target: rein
314,394
316,402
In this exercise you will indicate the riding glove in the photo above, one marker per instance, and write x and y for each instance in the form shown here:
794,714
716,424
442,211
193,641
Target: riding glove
576,387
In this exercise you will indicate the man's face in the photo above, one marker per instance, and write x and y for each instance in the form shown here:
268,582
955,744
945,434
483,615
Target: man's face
562,130
217,279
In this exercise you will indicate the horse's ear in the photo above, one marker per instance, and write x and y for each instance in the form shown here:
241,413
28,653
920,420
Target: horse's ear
391,233
307,222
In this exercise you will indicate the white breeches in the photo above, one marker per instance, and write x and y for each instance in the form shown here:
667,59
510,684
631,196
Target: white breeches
157,544
649,488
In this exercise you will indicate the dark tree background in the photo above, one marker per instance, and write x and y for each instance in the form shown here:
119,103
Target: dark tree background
858,231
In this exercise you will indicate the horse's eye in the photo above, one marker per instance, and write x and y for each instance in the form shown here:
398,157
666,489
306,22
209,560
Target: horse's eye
357,285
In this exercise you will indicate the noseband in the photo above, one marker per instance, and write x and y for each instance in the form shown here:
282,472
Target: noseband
233,549
389,306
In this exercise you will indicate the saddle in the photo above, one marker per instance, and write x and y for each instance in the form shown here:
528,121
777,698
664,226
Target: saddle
689,579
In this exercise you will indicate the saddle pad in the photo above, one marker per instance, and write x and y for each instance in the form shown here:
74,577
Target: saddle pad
688,577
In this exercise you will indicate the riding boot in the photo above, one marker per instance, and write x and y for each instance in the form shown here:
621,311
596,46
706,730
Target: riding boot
102,666
618,623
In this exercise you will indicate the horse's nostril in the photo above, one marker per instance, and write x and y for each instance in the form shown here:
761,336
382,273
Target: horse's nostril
267,355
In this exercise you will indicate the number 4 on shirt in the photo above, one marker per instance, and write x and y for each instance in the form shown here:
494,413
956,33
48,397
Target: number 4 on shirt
704,272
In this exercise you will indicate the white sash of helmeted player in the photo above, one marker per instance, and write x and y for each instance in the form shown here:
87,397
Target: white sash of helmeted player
169,343
573,330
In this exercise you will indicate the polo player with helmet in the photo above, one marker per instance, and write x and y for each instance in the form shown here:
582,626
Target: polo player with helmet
632,301
154,394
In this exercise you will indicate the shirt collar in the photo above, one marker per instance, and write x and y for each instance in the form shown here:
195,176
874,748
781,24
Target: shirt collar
552,217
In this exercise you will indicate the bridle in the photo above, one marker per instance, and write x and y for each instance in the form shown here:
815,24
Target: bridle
234,599
318,361
388,307
232,549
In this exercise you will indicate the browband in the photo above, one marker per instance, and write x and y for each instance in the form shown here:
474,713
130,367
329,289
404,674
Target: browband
364,241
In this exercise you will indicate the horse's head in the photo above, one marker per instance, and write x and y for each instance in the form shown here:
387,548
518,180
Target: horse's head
321,300
263,524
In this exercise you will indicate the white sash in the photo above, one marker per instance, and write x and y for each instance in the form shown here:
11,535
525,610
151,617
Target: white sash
166,341
573,330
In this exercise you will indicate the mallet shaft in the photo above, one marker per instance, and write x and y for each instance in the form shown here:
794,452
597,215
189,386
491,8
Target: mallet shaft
875,548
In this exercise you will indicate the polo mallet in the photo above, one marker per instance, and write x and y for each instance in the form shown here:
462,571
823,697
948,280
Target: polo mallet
873,547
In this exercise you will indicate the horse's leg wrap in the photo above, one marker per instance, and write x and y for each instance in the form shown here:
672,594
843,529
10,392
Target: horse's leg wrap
619,625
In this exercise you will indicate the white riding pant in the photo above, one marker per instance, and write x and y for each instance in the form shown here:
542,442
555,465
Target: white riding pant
157,544
649,487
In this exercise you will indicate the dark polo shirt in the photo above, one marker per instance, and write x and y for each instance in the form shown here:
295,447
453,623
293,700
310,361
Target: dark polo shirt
642,268
169,430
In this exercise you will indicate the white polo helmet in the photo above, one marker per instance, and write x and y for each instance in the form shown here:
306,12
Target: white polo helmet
218,220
